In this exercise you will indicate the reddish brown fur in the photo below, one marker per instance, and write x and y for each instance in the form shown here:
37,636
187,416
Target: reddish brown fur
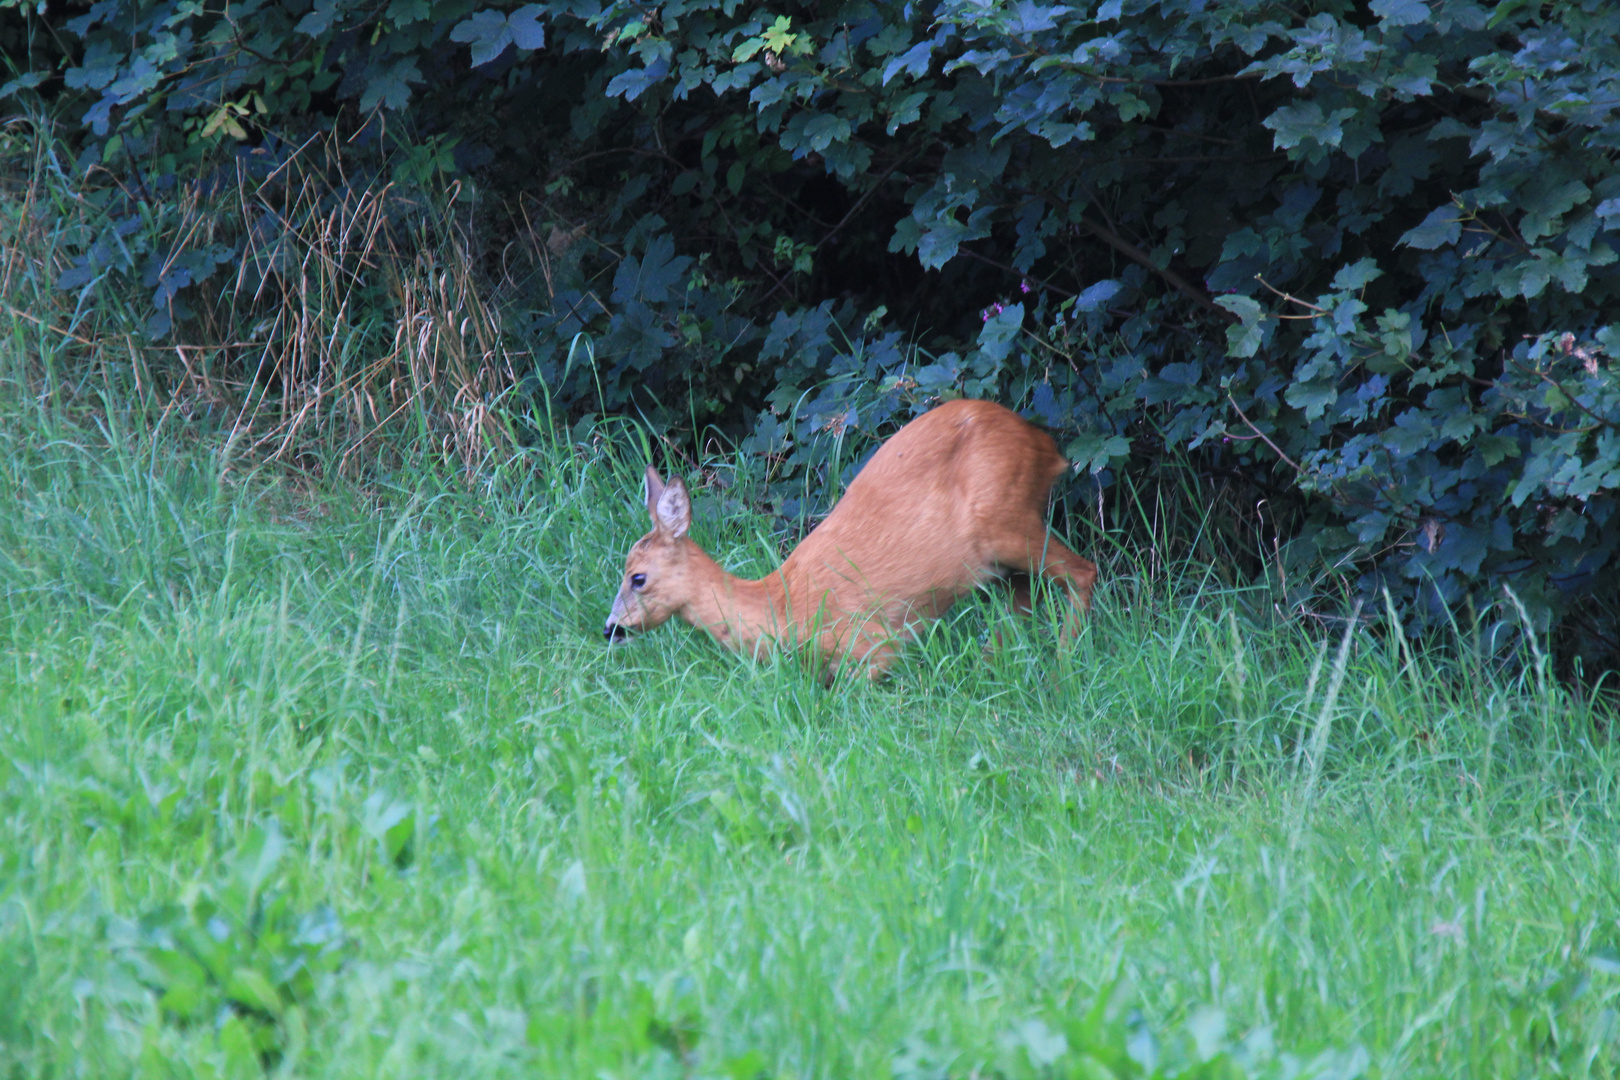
955,499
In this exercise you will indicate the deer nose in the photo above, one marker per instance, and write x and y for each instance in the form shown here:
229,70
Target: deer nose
614,632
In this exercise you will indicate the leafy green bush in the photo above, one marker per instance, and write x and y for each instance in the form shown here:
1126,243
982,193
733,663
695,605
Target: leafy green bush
1356,260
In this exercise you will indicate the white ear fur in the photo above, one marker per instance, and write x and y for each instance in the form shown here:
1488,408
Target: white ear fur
652,487
673,512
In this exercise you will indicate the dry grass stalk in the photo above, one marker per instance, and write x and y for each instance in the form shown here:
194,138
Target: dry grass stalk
352,327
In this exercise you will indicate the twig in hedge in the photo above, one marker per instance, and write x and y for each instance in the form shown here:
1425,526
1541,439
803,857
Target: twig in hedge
1175,280
1262,435
1211,81
1291,298
853,210
1032,279
1602,422
1195,136
865,196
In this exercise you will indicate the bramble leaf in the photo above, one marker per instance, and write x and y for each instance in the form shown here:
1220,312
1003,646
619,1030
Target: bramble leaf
1443,226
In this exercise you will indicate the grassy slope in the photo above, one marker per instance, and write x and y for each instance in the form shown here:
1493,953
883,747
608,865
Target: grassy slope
372,777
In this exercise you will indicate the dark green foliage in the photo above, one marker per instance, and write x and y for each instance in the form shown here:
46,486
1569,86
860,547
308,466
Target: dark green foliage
1356,259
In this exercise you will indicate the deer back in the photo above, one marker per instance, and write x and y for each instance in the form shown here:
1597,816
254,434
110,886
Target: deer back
931,515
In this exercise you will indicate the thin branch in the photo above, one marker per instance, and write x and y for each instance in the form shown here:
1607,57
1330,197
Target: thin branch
1262,435
1175,280
1039,282
1192,135
845,220
866,195
1125,81
1183,159
1602,422
1291,298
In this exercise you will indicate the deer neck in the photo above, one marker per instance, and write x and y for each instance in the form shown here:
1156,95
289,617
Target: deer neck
745,616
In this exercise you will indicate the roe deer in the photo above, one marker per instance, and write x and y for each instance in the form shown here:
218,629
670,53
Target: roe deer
956,498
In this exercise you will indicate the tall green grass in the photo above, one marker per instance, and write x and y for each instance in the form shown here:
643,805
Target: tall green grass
312,779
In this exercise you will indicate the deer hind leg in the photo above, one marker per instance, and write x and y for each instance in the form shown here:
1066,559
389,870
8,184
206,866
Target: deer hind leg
1057,564
1077,575
1018,584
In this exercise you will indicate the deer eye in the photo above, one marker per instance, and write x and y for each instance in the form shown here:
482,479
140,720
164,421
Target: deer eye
638,581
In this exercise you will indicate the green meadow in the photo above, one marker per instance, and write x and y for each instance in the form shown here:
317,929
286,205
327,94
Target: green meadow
305,778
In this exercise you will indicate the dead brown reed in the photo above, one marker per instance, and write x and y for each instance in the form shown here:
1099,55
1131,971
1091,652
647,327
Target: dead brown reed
349,326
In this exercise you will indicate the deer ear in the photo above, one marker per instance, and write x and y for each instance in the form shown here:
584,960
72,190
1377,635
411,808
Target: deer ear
651,488
673,511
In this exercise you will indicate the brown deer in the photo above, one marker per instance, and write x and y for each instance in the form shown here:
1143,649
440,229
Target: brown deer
955,499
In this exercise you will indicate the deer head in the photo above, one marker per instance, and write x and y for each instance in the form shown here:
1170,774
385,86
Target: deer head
656,572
